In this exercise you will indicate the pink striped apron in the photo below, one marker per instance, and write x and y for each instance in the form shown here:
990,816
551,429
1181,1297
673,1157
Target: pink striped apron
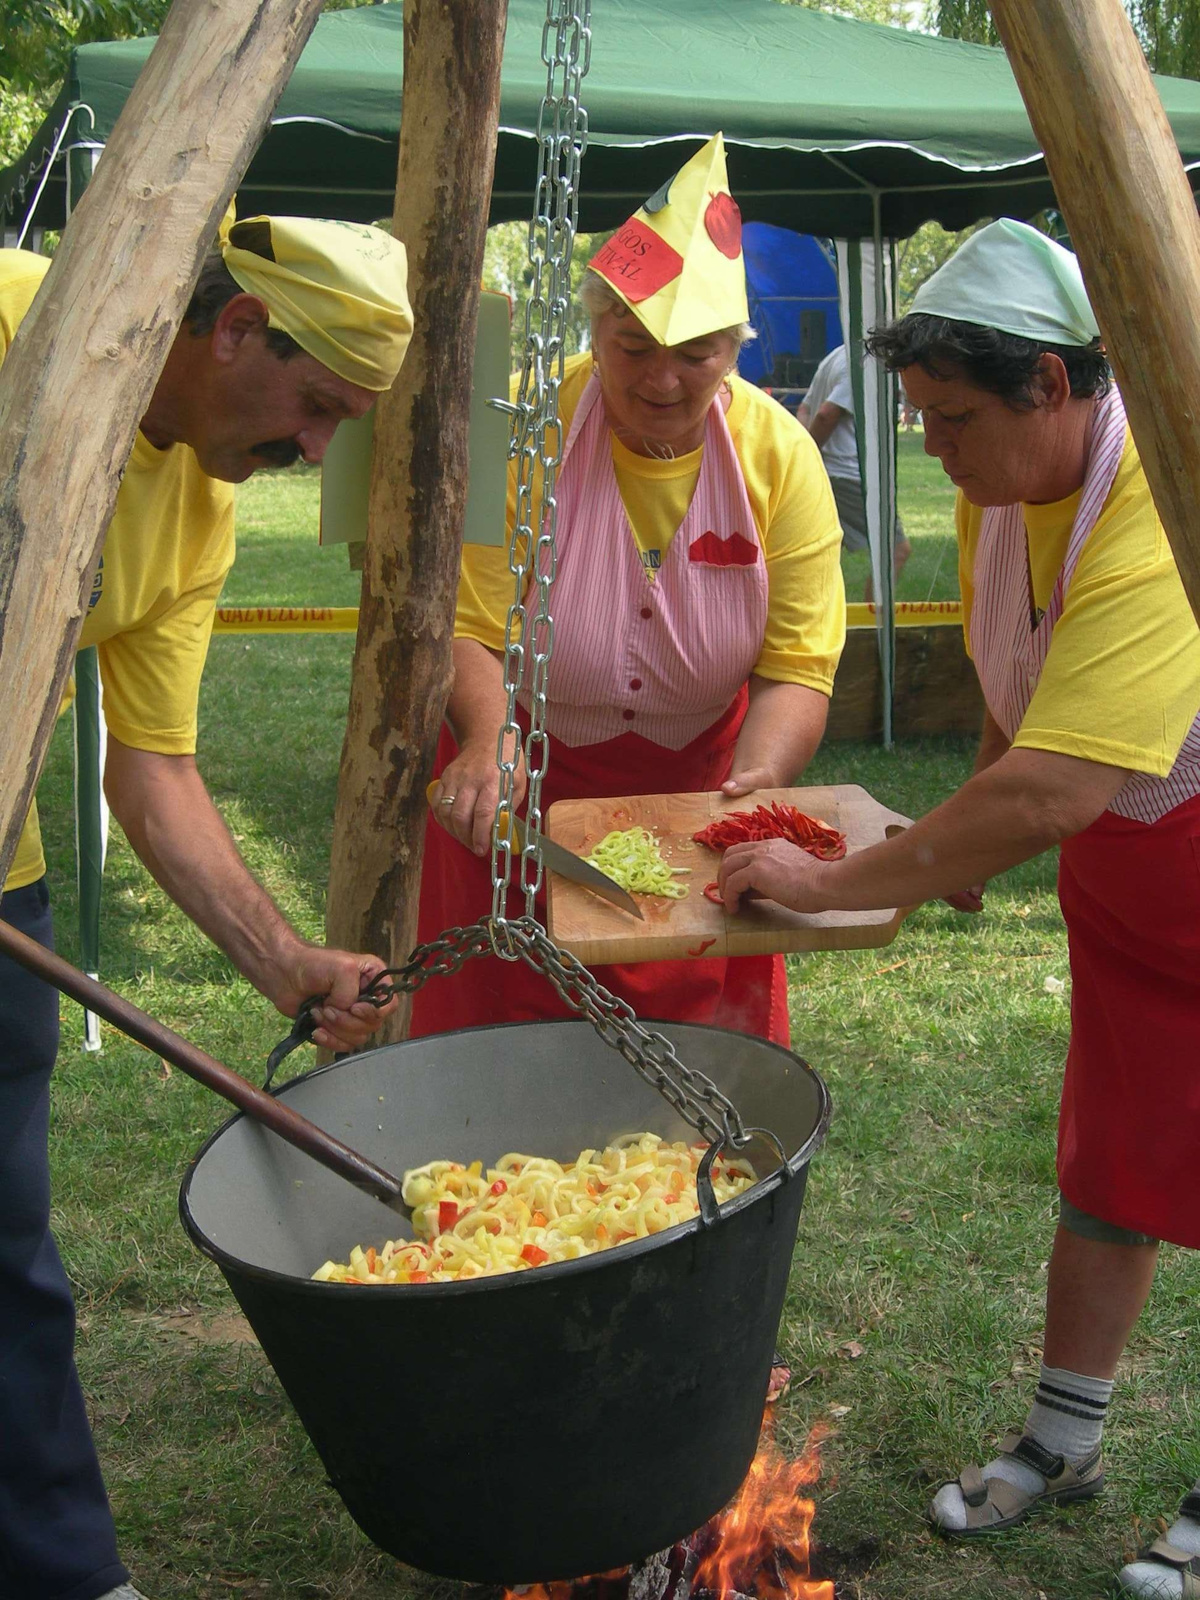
663,659
1129,886
648,685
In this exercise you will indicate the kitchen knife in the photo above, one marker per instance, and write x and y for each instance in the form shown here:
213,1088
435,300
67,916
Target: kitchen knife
568,865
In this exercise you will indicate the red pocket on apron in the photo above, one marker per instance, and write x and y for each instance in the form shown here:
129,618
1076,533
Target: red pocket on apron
714,551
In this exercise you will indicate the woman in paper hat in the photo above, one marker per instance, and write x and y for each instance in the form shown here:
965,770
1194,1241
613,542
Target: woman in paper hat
698,608
1089,658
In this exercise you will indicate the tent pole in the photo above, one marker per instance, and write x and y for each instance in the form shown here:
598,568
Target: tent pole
402,661
1133,222
91,811
85,361
885,462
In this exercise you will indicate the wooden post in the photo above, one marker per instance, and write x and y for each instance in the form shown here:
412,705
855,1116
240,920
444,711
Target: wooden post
449,117
85,360
1133,222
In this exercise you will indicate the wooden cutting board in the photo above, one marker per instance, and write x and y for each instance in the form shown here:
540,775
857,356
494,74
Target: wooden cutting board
598,933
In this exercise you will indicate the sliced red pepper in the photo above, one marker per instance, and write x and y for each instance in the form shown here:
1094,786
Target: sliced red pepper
418,1277
447,1215
534,1254
499,1187
774,822
712,891
699,949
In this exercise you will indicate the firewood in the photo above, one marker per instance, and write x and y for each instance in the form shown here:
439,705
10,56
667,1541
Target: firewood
402,670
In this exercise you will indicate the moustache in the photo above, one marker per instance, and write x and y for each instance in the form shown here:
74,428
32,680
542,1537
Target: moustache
277,452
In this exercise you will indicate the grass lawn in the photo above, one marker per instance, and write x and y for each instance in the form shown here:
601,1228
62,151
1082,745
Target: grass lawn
924,1237
926,498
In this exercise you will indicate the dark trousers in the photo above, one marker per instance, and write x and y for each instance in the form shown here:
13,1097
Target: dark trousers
57,1540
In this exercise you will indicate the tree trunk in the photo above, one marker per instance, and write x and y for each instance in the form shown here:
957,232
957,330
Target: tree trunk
85,360
401,678
1133,222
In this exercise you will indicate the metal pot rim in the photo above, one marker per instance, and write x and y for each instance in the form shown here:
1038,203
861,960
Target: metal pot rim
508,1280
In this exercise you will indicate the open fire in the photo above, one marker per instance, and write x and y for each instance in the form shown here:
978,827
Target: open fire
757,1548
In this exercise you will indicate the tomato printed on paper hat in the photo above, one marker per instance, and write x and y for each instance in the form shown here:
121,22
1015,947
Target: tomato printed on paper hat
677,263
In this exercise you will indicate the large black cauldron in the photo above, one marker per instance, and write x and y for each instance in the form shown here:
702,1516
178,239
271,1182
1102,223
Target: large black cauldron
552,1423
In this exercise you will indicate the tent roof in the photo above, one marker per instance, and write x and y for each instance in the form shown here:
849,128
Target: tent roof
821,115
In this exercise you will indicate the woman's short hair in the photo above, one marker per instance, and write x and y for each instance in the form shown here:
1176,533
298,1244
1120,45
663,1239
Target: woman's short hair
597,298
1003,363
215,288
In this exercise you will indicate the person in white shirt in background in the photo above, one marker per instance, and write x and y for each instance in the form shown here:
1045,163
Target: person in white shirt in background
827,411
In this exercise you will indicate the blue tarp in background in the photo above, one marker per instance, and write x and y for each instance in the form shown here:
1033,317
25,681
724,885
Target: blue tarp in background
791,284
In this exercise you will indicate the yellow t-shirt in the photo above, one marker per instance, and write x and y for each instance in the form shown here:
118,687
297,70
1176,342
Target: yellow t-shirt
167,550
1121,681
794,515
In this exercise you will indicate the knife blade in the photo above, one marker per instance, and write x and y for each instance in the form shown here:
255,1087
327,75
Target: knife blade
568,865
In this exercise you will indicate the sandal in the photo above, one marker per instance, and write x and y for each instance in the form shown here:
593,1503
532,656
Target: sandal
994,1504
1170,1557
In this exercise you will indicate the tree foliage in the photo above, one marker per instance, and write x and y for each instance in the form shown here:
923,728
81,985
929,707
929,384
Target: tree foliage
35,44
896,13
506,269
1168,30
963,19
1170,34
920,255
39,35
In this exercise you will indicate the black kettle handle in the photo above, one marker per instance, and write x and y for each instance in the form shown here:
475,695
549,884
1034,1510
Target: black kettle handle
710,1210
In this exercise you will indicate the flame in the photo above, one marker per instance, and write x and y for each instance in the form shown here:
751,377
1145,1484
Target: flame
758,1547
759,1544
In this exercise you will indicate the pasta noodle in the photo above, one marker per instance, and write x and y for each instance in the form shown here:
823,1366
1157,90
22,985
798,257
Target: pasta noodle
528,1210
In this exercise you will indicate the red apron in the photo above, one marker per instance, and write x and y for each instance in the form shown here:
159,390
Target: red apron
747,993
1129,1124
1129,1127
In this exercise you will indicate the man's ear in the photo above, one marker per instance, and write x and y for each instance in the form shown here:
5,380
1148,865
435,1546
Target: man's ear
238,320
1052,385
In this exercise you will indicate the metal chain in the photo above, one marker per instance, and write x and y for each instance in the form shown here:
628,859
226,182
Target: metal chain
537,446
693,1095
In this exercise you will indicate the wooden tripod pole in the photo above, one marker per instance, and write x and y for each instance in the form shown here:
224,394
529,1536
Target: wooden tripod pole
449,118
85,360
1132,218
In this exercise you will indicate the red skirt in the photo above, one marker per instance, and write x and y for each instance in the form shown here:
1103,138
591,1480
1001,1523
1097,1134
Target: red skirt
1129,1127
746,993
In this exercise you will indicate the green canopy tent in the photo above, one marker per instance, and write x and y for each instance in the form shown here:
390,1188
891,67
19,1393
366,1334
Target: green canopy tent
844,128
835,127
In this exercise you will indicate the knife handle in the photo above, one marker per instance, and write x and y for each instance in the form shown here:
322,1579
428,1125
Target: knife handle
432,788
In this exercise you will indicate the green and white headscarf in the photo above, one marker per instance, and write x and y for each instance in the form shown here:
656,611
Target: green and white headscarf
1010,277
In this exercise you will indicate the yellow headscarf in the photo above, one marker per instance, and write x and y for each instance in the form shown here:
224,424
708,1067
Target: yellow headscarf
339,289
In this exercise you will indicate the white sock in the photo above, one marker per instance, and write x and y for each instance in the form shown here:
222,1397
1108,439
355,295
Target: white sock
1149,1580
1066,1419
1068,1412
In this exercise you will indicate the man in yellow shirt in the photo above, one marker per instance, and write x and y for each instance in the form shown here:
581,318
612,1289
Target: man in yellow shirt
294,325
